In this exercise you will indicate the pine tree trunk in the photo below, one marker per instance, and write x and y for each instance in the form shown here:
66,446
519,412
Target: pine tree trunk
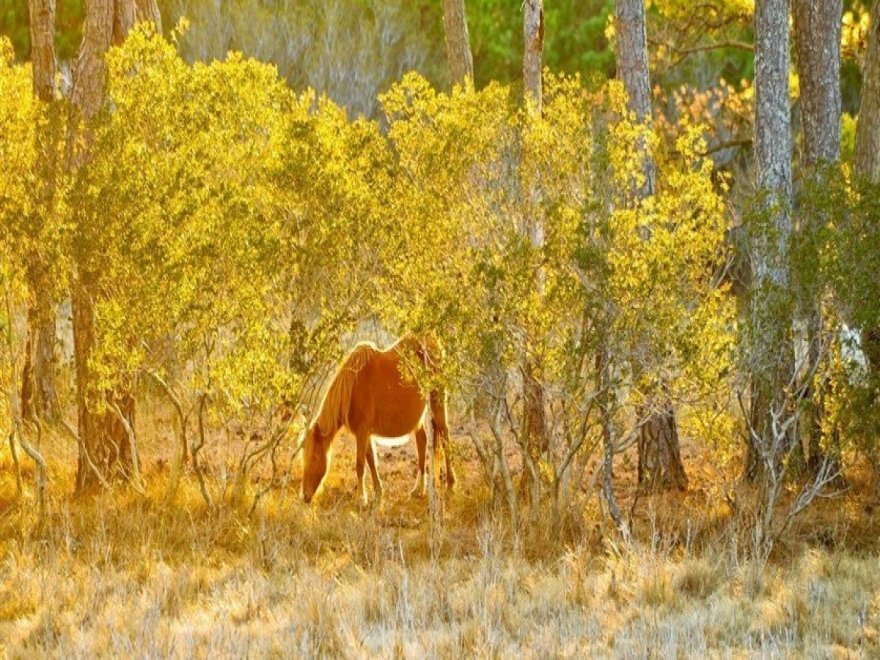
458,45
867,152
817,28
660,465
533,29
631,53
105,419
867,155
148,10
772,359
538,440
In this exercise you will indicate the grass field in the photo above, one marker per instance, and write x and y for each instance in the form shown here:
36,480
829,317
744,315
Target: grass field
125,574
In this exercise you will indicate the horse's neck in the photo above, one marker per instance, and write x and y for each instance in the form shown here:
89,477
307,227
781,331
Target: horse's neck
330,438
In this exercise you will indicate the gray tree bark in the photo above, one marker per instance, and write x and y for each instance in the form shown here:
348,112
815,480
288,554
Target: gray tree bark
533,55
817,28
771,359
867,153
458,44
660,465
538,440
631,53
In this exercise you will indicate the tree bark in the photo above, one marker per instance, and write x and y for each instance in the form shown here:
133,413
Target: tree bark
42,31
771,359
38,393
105,419
533,28
660,465
631,52
867,150
458,45
148,10
537,440
867,155
90,71
817,28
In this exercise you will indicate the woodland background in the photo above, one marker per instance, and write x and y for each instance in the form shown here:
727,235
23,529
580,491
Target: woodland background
646,235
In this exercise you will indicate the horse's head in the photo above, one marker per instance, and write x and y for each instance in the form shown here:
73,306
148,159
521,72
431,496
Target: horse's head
314,462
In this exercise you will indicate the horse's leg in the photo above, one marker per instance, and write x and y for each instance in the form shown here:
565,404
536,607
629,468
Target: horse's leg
362,442
441,434
371,461
421,446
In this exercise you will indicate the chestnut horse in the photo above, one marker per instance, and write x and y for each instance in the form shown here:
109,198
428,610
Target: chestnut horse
374,394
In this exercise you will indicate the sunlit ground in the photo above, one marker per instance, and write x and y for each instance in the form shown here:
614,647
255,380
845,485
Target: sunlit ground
126,574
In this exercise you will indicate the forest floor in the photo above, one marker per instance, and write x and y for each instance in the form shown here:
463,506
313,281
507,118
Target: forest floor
125,574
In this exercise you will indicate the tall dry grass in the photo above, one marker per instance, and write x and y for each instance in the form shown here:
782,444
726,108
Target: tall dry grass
122,574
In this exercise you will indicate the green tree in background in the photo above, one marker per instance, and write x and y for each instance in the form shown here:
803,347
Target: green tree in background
575,40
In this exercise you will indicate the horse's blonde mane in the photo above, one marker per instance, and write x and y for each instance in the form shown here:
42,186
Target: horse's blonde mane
334,407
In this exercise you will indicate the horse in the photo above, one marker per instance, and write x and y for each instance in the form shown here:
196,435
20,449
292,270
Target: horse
374,393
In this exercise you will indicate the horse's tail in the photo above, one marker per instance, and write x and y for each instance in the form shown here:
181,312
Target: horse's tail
334,407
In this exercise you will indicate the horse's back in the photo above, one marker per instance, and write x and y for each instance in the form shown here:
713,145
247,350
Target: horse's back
385,401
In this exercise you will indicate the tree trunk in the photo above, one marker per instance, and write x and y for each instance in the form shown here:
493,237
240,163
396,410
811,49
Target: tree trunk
537,439
771,359
867,152
458,45
38,395
817,27
631,53
660,466
533,28
90,71
660,463
123,20
867,155
148,10
105,419
42,31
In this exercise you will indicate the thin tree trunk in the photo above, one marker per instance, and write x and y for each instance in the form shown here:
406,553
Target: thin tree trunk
867,151
533,28
867,154
38,392
105,443
817,28
537,435
42,32
631,53
458,45
771,354
660,465
604,387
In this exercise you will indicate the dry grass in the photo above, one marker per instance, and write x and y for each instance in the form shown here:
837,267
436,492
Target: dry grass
123,575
